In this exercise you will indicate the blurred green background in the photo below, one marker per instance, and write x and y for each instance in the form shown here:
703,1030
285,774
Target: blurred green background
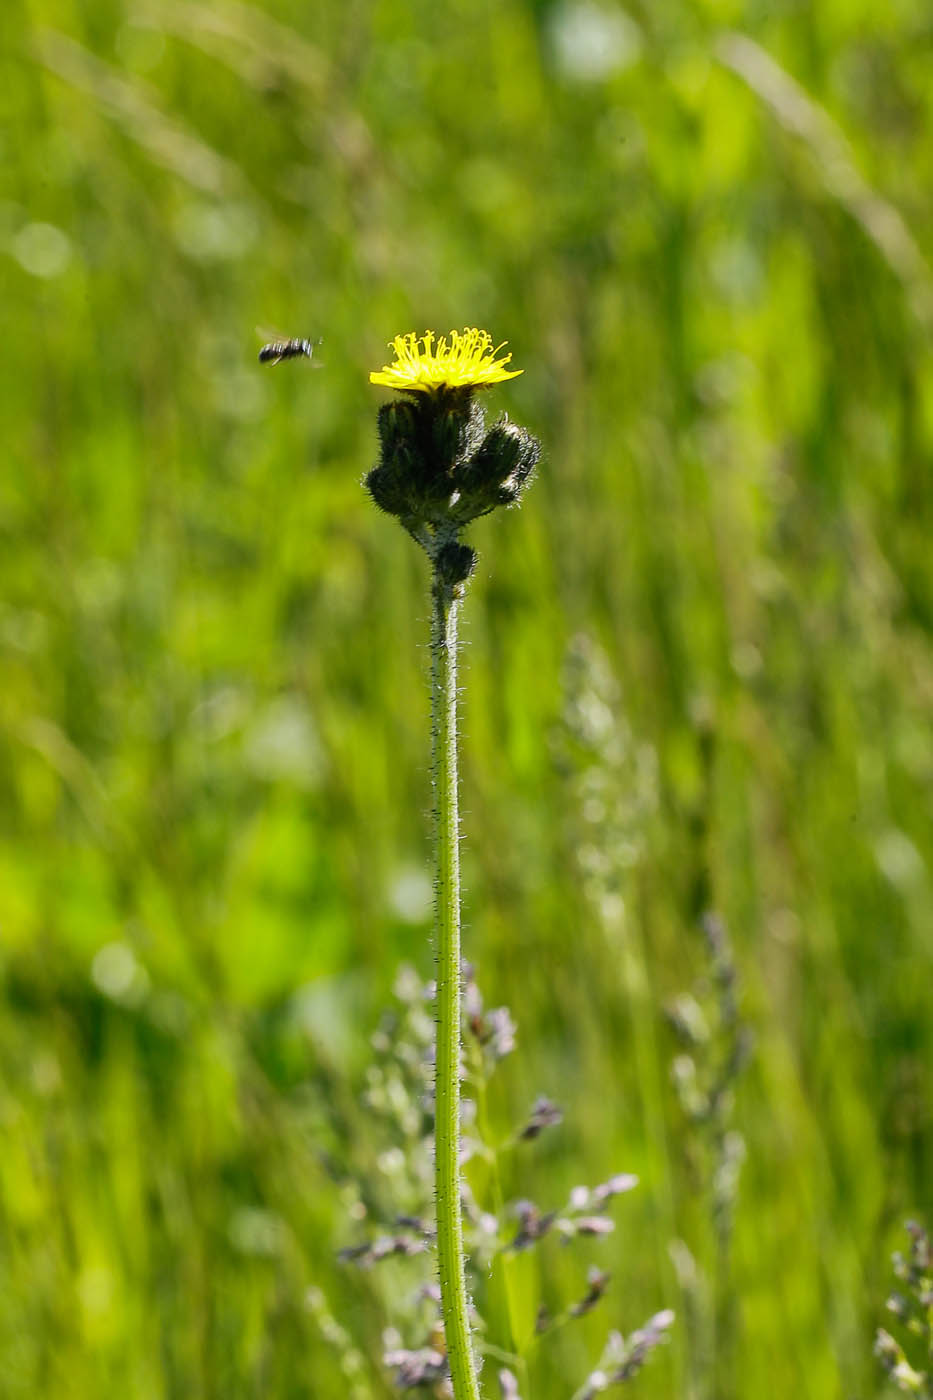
704,226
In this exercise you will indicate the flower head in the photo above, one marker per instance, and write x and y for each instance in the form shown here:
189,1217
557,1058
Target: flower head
440,465
424,364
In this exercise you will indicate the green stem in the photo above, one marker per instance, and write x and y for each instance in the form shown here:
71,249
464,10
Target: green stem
450,1257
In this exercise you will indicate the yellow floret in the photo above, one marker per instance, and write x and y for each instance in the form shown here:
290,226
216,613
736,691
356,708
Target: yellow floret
424,364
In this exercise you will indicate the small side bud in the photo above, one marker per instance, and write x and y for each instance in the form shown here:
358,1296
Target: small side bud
386,492
501,468
454,563
395,480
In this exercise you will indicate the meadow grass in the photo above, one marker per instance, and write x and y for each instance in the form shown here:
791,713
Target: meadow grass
706,236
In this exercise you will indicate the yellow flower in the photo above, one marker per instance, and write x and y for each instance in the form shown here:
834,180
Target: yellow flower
424,364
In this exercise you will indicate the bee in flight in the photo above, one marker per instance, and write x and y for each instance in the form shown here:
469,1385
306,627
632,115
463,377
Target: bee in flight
278,350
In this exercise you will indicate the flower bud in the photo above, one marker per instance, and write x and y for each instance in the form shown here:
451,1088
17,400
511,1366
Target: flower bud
502,466
454,563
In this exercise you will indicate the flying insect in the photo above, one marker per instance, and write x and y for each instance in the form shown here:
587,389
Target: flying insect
278,350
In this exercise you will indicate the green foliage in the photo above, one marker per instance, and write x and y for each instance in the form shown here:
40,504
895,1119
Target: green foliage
705,230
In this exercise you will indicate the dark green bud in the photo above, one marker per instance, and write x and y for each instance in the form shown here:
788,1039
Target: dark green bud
498,471
391,482
387,492
508,457
454,563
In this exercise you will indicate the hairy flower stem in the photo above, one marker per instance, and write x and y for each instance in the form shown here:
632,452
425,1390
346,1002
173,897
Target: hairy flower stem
450,1255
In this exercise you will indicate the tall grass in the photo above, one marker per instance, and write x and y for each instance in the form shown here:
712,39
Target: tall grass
213,794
